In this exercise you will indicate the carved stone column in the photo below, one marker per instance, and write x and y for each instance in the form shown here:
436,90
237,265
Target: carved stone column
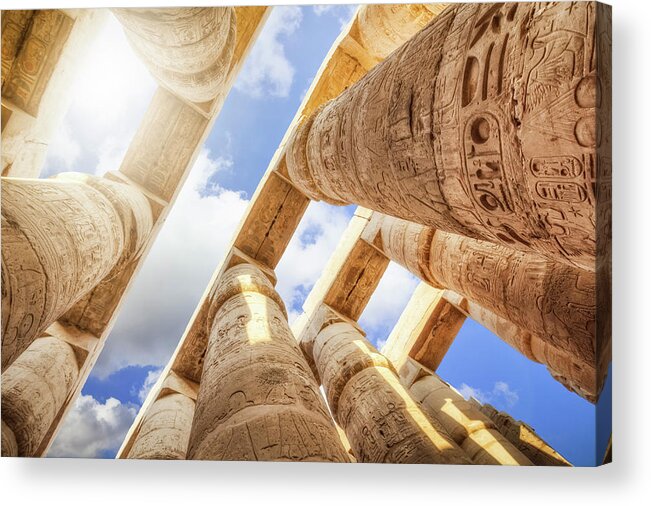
476,126
474,432
60,237
523,437
553,301
384,27
382,422
258,399
579,377
188,50
165,429
34,389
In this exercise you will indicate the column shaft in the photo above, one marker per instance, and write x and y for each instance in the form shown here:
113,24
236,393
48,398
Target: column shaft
34,389
474,432
188,50
165,429
60,237
579,377
523,437
258,399
476,126
554,302
382,422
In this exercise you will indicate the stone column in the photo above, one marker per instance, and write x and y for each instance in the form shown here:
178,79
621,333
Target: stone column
486,123
384,27
165,429
382,422
523,437
258,399
553,301
474,432
34,389
60,238
188,50
576,376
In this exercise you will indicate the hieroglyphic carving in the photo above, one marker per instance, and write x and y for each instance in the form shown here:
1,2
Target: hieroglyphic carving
479,155
34,389
577,376
14,29
165,429
257,399
473,431
381,421
163,146
36,53
60,238
552,301
189,50
523,437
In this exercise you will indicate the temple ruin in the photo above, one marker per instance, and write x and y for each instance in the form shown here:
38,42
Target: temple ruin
474,139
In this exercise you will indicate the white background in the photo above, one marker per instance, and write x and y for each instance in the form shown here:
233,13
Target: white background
626,481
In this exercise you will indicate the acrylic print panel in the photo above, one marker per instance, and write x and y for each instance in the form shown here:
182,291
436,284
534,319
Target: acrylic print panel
421,274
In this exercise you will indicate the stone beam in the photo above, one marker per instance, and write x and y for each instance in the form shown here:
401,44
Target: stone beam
41,51
425,331
440,131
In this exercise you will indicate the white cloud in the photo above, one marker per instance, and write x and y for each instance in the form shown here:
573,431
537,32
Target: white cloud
149,382
342,12
502,395
308,251
267,71
63,150
92,427
110,94
388,302
174,275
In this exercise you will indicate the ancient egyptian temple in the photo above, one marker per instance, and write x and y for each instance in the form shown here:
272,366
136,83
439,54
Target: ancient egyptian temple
474,141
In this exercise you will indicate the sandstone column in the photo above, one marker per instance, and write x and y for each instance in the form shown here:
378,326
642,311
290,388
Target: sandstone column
34,389
576,376
165,430
381,421
474,432
60,237
476,126
188,49
553,301
523,437
257,399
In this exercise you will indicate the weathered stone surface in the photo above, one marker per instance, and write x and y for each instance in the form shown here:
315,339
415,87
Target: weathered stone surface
579,377
473,431
34,389
165,430
189,50
382,422
553,301
484,124
60,237
524,438
257,398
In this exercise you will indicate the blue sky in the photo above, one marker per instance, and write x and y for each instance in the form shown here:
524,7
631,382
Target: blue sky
105,113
